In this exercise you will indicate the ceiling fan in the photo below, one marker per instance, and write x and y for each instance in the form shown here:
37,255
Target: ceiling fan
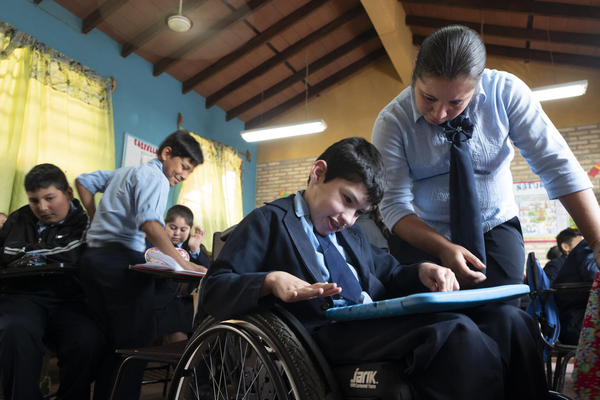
179,22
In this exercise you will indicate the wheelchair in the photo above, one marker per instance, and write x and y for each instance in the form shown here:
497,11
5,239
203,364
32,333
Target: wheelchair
269,355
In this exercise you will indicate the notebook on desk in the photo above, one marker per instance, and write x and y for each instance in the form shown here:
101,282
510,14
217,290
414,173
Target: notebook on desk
427,302
165,269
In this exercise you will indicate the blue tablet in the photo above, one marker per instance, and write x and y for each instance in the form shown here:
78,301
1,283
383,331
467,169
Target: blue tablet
427,302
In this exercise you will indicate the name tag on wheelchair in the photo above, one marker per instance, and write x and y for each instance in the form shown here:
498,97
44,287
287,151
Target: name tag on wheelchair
427,302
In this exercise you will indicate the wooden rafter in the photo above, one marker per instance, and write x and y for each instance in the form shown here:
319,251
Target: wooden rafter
320,87
209,34
535,55
539,35
253,44
37,2
544,8
100,14
158,27
284,55
298,76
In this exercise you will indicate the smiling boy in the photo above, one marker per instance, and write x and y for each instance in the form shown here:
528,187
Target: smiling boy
131,209
281,253
50,310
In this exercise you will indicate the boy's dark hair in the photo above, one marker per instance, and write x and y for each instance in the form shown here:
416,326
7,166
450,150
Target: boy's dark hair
356,160
566,236
451,52
43,176
182,211
553,253
183,145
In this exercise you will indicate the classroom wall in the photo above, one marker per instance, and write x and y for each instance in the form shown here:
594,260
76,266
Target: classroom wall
351,108
143,106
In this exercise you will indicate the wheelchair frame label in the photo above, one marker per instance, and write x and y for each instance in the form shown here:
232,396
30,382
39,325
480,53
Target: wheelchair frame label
364,380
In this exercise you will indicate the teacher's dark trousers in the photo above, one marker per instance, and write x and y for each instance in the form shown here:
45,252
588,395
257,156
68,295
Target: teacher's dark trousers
504,249
123,303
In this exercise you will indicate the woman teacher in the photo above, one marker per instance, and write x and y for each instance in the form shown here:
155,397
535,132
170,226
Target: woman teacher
445,143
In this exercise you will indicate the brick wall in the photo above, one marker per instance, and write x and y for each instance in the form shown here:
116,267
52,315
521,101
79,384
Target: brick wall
291,175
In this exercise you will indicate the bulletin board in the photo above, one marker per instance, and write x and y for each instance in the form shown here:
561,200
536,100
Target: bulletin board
541,218
137,151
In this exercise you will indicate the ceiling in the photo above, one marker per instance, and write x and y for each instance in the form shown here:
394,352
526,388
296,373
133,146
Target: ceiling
252,57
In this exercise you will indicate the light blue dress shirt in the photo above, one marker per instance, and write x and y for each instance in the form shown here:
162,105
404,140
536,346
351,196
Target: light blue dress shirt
417,154
302,211
132,196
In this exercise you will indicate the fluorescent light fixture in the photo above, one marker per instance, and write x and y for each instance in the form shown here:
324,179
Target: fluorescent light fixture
560,91
282,131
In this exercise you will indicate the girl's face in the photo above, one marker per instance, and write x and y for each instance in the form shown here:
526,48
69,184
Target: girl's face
440,100
177,230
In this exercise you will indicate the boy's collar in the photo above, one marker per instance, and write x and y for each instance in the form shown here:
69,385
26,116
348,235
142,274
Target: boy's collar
156,162
300,207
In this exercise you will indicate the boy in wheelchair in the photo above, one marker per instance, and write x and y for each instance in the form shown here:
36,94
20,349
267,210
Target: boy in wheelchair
288,251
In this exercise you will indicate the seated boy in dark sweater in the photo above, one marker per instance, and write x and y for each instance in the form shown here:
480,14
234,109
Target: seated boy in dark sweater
282,253
49,310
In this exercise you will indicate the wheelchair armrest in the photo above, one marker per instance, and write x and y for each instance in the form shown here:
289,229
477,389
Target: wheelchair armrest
575,286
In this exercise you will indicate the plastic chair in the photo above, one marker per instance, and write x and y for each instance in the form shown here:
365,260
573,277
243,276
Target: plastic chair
543,309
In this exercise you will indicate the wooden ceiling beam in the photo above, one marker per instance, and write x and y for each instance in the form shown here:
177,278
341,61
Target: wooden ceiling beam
578,60
158,27
253,44
315,90
101,14
538,35
209,34
543,8
284,55
37,2
298,76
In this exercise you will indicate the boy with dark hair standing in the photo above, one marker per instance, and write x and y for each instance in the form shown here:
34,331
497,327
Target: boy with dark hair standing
36,311
285,252
132,208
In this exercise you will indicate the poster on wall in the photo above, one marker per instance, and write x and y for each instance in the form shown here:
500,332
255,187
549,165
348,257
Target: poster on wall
137,151
541,218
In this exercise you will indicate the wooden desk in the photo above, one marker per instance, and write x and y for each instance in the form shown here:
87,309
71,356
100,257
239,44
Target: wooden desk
176,276
49,269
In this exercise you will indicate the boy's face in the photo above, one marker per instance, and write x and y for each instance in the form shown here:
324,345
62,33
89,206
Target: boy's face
50,205
3,219
176,169
335,205
177,230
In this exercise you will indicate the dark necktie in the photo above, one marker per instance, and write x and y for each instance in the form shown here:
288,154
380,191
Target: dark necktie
339,270
465,214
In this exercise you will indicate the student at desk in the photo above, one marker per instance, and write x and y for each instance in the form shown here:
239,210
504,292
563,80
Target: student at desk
304,253
133,205
47,310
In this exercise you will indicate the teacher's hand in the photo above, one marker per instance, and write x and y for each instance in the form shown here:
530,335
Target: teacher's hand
456,258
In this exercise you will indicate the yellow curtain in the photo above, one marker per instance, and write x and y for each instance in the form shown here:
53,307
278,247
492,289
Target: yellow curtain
213,191
53,110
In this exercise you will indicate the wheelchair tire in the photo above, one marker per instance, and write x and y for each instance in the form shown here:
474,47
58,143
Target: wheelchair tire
255,357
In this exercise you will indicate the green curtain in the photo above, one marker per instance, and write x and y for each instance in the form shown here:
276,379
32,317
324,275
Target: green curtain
53,110
213,191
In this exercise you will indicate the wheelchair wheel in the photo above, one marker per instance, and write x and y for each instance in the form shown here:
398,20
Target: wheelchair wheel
256,357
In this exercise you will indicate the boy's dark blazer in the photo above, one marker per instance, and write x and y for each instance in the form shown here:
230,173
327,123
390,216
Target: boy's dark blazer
272,238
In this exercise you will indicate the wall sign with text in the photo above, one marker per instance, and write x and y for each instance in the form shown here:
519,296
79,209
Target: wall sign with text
541,218
137,151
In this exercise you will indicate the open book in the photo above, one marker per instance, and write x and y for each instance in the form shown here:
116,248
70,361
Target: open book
167,263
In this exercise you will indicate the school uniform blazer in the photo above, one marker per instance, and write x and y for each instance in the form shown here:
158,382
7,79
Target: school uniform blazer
272,238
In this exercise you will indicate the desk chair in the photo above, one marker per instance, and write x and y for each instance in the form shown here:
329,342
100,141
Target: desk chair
171,353
543,309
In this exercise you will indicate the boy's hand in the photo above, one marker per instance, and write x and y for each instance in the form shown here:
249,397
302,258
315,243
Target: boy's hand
438,278
456,257
190,266
196,238
290,288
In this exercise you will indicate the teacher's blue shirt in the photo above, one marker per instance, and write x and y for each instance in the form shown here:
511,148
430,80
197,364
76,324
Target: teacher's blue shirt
502,110
132,196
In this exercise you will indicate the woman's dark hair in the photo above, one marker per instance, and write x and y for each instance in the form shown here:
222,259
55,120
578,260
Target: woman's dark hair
183,145
44,176
356,160
566,236
451,52
182,211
